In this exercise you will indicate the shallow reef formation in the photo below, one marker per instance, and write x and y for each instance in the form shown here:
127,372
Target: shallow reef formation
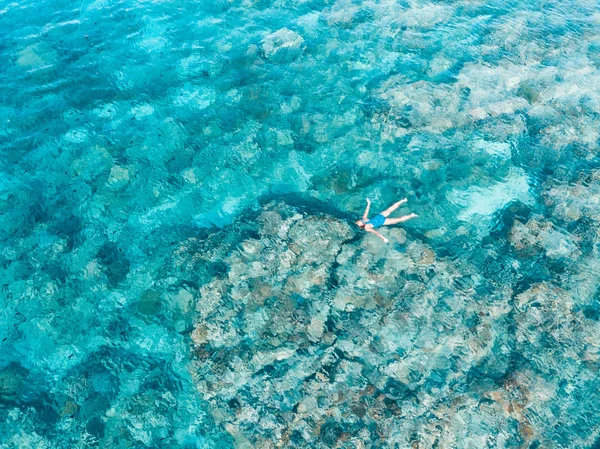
312,336
153,295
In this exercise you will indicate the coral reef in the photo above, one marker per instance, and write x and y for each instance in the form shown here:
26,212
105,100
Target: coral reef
178,183
314,337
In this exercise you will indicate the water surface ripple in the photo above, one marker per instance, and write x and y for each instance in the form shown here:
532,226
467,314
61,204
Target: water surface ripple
179,267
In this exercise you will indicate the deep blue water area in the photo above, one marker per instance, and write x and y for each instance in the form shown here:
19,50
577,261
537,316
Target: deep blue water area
179,264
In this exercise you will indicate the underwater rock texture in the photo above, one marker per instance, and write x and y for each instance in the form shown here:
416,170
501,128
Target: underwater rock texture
282,45
312,337
148,300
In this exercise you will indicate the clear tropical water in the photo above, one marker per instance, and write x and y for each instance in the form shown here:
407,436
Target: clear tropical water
179,265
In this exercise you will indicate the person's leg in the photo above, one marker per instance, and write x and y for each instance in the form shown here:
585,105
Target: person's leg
391,221
393,207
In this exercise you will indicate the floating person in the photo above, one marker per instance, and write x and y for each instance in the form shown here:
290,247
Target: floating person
382,219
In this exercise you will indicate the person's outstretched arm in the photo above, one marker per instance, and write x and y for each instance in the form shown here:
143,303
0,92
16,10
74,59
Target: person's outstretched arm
366,214
378,235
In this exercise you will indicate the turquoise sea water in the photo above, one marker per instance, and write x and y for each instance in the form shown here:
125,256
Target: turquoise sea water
179,264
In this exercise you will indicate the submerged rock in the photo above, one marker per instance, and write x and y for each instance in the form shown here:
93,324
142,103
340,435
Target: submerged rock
149,303
282,46
12,378
538,235
119,177
311,337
